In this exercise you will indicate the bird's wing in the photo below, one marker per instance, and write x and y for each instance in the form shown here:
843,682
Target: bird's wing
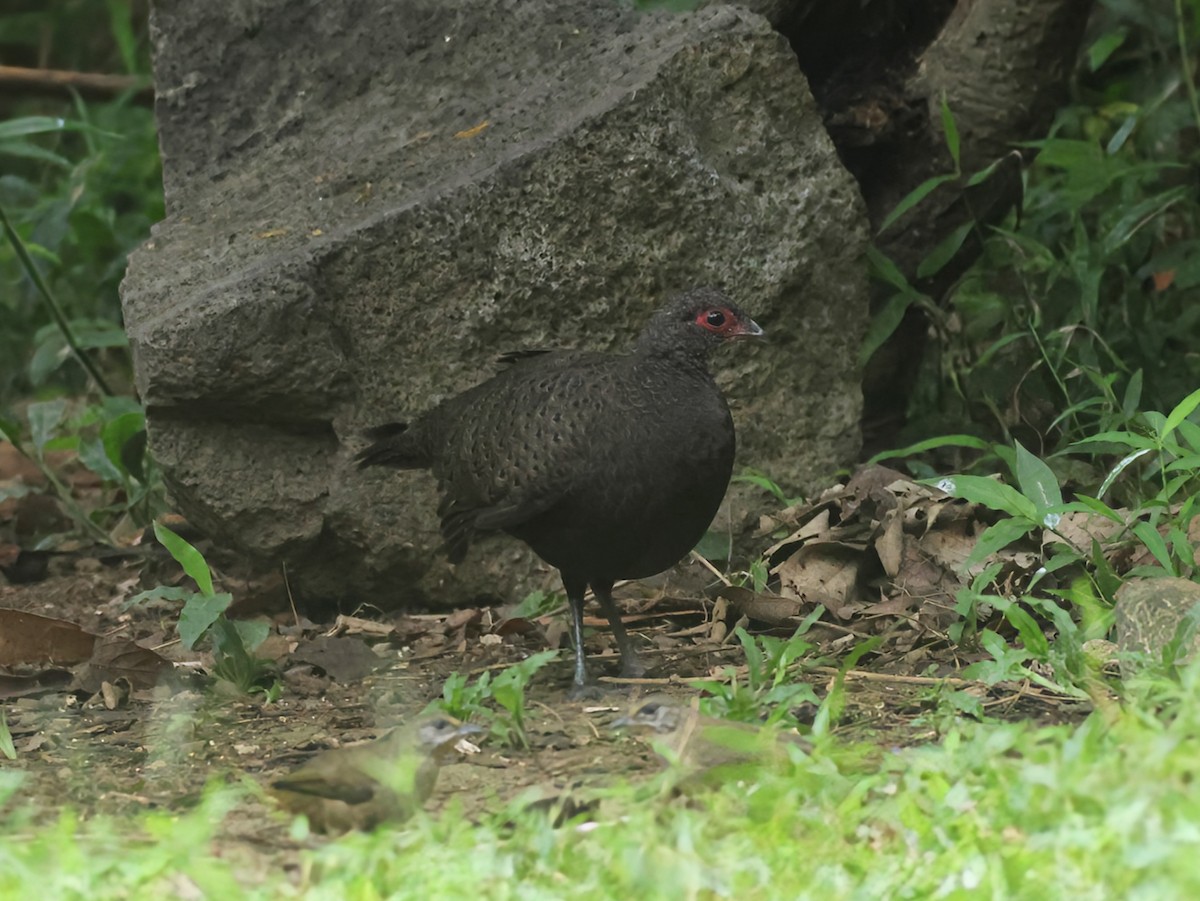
319,785
512,447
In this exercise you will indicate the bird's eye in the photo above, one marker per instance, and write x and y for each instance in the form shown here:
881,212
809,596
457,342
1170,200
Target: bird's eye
715,318
441,724
649,709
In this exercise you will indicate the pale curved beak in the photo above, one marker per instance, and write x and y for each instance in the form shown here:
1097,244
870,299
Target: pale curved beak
749,329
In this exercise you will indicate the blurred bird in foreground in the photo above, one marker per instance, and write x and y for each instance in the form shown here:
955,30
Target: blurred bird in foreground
361,786
704,746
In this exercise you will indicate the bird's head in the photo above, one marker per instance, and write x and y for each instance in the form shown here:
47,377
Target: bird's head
438,733
657,714
695,323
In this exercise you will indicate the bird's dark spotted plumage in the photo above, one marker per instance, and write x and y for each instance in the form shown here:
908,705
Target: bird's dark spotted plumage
608,466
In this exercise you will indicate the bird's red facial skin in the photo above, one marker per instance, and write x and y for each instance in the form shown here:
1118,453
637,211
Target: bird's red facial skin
721,321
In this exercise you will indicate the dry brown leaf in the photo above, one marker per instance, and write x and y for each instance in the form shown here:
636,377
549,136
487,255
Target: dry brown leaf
814,529
354,625
460,619
893,606
824,573
114,695
950,546
767,608
113,659
718,625
29,639
1080,529
871,488
923,577
890,543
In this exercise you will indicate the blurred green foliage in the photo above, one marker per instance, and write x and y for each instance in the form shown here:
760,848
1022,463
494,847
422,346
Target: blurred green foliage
1086,311
81,183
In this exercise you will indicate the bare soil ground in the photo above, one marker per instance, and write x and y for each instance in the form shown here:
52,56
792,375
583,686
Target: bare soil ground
116,747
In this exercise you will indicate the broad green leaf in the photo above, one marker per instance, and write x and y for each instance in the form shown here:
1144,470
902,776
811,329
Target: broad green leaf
984,174
1156,421
252,632
200,612
1189,463
715,545
1037,481
754,657
992,494
1190,432
1097,506
945,251
47,358
1068,154
1181,543
44,419
1121,135
188,557
1120,468
11,432
915,196
883,324
1061,556
1177,484
1154,543
1104,46
1140,214
884,270
1133,395
1107,580
996,537
117,433
1128,439
1031,633
929,444
536,603
30,151
950,130
231,643
1181,412
31,125
92,455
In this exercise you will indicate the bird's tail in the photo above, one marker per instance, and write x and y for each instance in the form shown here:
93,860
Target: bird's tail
392,444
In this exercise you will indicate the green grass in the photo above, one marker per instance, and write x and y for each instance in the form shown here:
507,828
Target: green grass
1097,810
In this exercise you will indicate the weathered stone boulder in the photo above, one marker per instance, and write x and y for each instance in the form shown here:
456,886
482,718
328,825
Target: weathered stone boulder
1148,616
368,201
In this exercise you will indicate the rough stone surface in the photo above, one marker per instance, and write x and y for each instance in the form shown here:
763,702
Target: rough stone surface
368,201
1148,614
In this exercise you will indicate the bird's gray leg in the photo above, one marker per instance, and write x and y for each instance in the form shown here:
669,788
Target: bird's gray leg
631,665
576,588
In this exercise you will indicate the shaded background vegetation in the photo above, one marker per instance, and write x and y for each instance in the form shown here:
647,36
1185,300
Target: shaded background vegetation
81,182
1078,316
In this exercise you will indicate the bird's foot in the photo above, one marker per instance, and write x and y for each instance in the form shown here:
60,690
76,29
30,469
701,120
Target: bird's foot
588,691
632,668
